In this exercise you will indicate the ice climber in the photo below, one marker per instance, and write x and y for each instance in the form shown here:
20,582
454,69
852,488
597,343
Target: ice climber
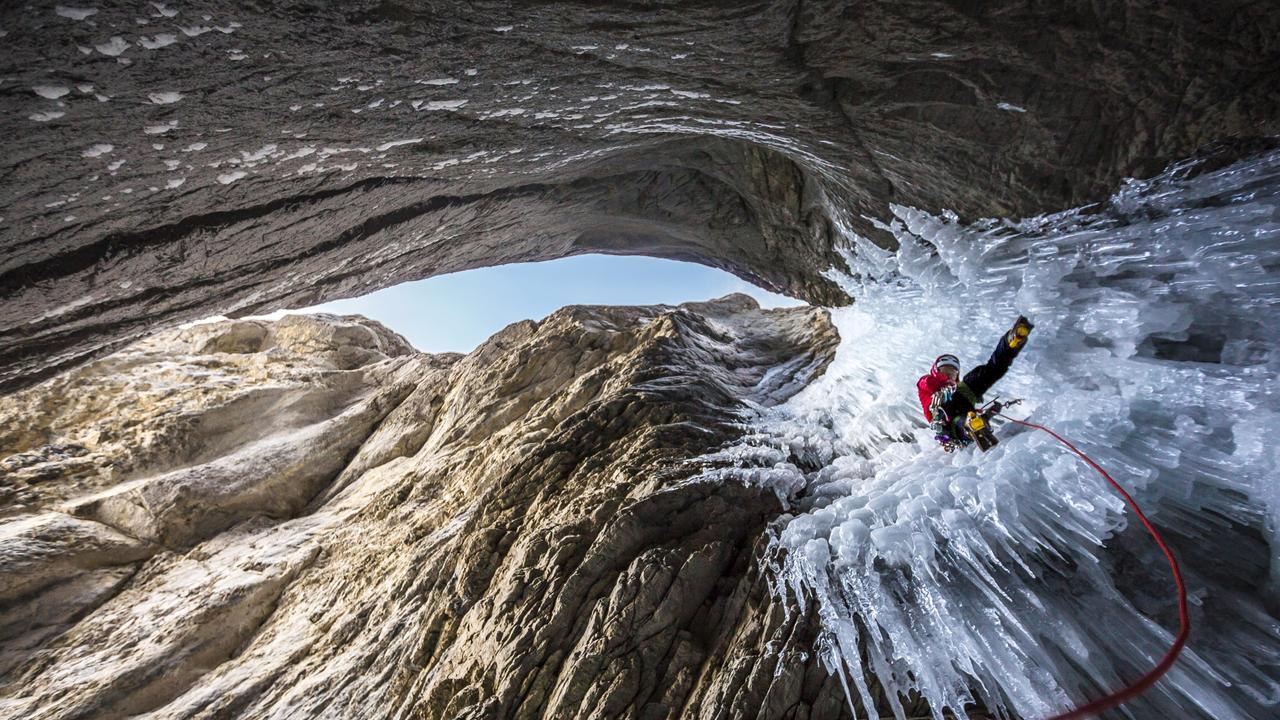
947,399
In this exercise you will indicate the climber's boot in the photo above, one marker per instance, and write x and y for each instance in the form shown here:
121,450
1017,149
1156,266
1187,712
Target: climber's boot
1019,333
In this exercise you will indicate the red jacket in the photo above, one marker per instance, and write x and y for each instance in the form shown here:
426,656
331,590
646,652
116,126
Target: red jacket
929,384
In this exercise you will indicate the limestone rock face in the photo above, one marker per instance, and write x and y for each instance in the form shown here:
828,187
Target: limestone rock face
306,518
163,162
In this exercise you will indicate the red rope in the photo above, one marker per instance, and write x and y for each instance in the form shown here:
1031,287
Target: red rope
1146,681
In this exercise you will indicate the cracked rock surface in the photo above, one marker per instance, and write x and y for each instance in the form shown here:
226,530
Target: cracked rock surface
164,162
306,518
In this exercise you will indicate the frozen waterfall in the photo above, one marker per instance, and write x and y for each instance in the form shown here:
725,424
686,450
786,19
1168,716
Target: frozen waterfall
1015,579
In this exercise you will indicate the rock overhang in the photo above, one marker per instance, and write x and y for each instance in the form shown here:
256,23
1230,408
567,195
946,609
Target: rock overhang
163,165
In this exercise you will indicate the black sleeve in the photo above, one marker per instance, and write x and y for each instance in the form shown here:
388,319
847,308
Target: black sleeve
981,378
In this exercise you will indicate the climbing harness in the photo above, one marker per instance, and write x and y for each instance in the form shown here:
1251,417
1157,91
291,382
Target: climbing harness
1134,689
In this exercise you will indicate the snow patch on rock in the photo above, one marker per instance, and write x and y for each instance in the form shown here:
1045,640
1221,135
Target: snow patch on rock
397,143
51,92
114,46
74,13
159,41
161,128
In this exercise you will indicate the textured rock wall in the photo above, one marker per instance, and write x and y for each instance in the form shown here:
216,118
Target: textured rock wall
165,162
307,519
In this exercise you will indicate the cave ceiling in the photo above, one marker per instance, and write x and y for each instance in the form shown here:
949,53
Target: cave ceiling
164,162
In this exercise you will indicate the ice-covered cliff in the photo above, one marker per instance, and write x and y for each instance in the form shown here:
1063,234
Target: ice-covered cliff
1017,579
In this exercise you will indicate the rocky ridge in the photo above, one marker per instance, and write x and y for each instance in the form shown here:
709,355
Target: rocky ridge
322,522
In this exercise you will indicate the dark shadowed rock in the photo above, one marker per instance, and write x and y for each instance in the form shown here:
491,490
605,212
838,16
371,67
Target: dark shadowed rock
166,163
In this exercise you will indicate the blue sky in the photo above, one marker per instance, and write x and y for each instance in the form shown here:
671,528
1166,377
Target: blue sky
459,311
